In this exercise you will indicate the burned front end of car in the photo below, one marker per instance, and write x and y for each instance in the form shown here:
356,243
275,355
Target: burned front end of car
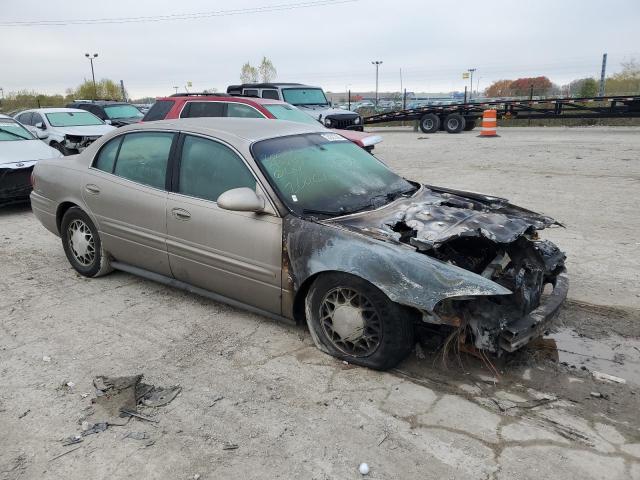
79,142
493,241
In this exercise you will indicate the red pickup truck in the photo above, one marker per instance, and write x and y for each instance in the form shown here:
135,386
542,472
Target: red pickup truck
189,105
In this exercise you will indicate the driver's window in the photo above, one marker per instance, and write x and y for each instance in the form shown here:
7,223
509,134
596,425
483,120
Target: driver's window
208,169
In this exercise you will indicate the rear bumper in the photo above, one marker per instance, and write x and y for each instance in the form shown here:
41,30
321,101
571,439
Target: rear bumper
533,325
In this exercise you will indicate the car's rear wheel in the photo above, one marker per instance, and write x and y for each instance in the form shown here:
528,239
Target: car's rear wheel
429,123
82,245
353,320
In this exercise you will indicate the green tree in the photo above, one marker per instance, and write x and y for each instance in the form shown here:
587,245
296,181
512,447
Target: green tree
248,73
626,82
588,87
105,89
268,72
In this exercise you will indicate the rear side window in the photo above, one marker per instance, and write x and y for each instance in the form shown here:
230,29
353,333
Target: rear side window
251,91
158,110
243,111
107,156
25,118
203,109
208,169
143,158
272,94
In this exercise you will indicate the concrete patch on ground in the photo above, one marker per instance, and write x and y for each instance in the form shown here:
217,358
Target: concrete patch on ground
456,413
534,463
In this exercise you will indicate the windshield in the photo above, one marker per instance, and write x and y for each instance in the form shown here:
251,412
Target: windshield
288,112
122,111
304,96
73,119
12,130
323,173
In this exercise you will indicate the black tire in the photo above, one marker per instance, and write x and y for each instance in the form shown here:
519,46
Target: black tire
469,125
388,325
454,123
88,259
430,123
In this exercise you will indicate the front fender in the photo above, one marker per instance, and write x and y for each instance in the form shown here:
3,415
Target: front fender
403,274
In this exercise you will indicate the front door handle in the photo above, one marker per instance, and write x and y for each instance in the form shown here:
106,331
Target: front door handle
181,214
91,188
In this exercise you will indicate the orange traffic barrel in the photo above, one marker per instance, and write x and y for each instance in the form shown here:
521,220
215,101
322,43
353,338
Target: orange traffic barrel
489,124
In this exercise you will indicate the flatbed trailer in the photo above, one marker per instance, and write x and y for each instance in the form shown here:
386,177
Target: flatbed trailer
457,117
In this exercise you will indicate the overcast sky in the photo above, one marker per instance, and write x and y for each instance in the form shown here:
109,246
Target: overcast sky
330,45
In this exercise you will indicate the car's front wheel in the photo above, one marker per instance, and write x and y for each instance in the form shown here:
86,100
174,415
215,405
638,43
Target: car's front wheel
63,150
82,245
353,320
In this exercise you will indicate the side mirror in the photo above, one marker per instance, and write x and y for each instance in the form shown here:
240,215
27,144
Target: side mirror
40,126
241,200
108,122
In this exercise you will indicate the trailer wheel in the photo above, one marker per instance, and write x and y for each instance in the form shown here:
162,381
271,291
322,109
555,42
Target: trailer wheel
429,123
454,123
469,125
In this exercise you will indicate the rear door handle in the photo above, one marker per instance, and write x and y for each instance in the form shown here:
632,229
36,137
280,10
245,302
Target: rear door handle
92,189
181,214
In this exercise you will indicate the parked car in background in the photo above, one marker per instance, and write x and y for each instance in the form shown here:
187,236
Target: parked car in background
193,105
297,223
310,100
19,152
113,113
68,130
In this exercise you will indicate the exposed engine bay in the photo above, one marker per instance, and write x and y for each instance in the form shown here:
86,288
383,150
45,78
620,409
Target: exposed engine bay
491,238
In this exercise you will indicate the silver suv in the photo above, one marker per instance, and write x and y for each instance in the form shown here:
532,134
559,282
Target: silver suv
310,100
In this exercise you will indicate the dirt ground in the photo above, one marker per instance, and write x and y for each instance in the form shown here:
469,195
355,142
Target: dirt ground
293,412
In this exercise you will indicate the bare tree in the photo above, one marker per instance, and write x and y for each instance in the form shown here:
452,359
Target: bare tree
267,71
248,74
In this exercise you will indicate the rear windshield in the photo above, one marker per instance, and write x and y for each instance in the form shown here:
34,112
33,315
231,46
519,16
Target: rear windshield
122,111
158,110
304,96
73,119
291,113
12,130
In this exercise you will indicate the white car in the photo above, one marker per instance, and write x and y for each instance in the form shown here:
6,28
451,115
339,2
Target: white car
69,130
19,152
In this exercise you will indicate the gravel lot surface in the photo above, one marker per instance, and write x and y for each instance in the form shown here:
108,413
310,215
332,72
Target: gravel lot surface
293,412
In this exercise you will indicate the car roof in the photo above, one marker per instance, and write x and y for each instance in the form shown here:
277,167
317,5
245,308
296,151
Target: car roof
270,85
248,130
54,110
224,98
99,102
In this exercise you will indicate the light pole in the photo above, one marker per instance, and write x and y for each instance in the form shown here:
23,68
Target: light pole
377,63
471,70
176,89
93,75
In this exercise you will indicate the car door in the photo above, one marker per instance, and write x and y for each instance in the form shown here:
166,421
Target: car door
203,109
235,254
126,192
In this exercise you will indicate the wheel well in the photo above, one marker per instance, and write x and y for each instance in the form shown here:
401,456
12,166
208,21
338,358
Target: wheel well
62,209
299,314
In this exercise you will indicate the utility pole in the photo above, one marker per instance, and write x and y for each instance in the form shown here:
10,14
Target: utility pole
377,63
124,92
93,76
401,89
471,70
602,75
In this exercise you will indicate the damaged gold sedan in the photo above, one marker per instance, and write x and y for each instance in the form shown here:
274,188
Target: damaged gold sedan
296,222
